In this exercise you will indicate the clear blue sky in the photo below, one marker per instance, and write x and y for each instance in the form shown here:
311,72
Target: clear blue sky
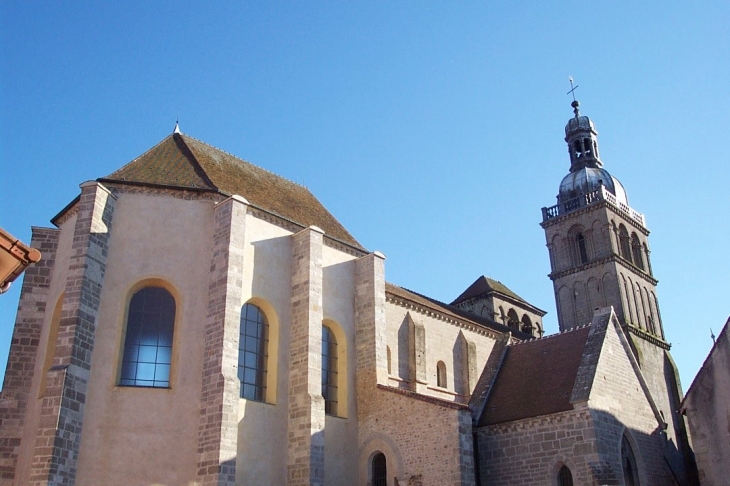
432,131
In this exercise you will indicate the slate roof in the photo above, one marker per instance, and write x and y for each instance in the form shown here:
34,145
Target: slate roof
450,310
182,162
484,286
536,378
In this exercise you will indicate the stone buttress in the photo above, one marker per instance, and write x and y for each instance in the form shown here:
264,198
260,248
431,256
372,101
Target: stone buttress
58,438
305,460
24,349
220,387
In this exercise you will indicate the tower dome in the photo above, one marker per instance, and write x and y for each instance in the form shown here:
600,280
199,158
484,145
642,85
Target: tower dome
586,169
587,180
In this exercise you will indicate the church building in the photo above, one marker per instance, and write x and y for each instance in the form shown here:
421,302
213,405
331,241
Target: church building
196,319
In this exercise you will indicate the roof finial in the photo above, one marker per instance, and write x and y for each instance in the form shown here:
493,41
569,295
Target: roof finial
575,104
712,335
177,126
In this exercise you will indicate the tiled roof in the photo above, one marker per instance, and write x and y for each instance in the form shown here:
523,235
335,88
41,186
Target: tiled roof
484,285
536,378
182,162
450,310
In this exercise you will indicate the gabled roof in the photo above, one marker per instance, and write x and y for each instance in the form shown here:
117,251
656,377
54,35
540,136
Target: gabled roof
450,310
182,162
484,286
536,378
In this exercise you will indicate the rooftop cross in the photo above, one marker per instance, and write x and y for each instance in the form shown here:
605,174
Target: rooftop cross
572,88
575,103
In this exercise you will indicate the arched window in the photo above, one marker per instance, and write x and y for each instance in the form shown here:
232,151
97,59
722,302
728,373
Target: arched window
565,477
526,324
624,243
636,249
380,470
441,374
252,353
148,341
628,463
329,370
512,320
580,243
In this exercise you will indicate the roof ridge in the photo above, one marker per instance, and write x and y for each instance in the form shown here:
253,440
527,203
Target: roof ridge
143,154
243,160
188,153
543,338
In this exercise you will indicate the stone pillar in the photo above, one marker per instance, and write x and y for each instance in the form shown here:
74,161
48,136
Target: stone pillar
471,365
370,334
417,355
305,464
24,349
220,387
62,408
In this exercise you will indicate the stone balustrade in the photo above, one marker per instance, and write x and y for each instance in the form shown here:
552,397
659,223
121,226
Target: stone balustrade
584,200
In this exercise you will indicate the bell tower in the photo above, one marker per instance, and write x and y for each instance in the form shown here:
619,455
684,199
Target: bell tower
598,244
599,257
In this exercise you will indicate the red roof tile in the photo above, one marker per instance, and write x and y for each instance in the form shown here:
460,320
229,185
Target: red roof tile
183,162
536,378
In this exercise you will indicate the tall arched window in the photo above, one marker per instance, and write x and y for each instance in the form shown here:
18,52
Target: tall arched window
580,242
636,249
565,477
441,374
329,370
624,242
252,353
380,470
628,463
148,341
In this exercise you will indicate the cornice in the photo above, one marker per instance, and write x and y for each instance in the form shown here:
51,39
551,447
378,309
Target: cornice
442,316
637,331
612,258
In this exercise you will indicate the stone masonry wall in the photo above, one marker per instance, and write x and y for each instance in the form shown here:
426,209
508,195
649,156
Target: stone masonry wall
218,428
707,406
426,441
531,451
62,408
23,350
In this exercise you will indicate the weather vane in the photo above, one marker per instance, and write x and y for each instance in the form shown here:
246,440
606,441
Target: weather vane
572,88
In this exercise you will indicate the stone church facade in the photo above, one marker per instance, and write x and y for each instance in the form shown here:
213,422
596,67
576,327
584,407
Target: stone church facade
199,320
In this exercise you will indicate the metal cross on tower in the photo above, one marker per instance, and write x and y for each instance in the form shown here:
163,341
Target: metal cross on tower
572,88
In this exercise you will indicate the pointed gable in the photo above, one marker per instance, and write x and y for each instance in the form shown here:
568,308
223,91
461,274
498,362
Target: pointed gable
182,162
536,378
